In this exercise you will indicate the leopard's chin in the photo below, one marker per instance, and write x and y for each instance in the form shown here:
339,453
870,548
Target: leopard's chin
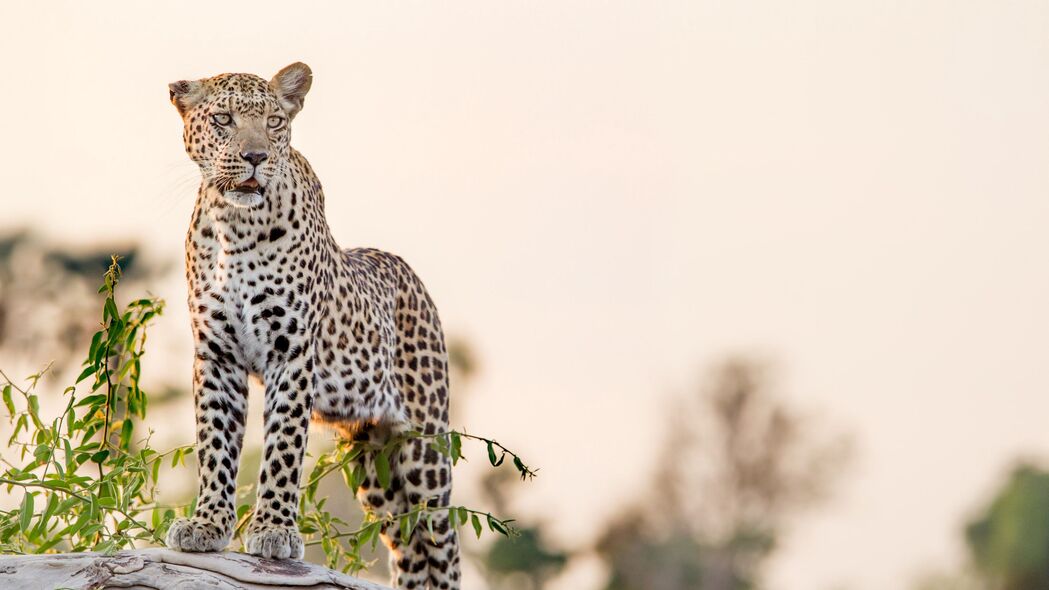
243,200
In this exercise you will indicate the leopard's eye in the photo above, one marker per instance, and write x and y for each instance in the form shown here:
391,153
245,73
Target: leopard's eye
222,119
274,121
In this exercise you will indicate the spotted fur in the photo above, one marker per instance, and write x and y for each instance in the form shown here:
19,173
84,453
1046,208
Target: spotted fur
347,337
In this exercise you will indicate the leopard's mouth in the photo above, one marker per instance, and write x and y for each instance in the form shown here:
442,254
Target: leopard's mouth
250,186
246,194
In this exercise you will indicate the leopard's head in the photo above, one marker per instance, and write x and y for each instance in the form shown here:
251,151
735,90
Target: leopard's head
237,128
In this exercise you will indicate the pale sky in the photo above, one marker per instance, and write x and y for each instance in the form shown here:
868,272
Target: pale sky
608,197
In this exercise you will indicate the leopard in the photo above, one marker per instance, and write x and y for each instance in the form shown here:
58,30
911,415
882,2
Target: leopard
345,338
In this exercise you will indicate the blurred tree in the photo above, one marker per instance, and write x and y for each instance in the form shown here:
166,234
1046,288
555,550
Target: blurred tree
737,464
527,561
523,562
641,557
48,294
1009,543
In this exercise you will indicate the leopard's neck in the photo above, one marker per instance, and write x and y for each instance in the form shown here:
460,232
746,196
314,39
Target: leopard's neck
292,212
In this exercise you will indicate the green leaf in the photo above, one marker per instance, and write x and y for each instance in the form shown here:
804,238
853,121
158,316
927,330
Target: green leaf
70,422
367,533
42,453
95,341
382,469
34,411
49,511
8,401
354,453
520,466
91,400
70,465
375,535
21,423
67,504
496,462
477,525
457,446
76,527
56,484
359,474
110,311
347,477
132,488
115,329
25,512
496,526
90,530
46,545
125,433
406,529
464,515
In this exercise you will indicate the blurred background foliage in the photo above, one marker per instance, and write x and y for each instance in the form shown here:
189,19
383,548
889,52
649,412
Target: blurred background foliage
739,466
48,293
1009,540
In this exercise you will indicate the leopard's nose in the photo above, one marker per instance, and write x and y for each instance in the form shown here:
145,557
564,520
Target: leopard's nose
255,158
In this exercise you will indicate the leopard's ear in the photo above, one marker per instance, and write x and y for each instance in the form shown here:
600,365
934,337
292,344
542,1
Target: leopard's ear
186,94
291,85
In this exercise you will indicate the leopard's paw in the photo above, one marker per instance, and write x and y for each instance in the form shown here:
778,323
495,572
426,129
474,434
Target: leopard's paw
196,535
274,542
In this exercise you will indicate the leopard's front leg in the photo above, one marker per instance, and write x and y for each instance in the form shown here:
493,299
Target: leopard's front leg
273,532
220,391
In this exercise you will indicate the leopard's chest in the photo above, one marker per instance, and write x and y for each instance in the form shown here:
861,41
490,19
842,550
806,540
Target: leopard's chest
248,307
258,304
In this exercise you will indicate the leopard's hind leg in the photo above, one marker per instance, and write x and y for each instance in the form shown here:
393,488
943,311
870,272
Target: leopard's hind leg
407,563
418,474
420,372
425,474
427,477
